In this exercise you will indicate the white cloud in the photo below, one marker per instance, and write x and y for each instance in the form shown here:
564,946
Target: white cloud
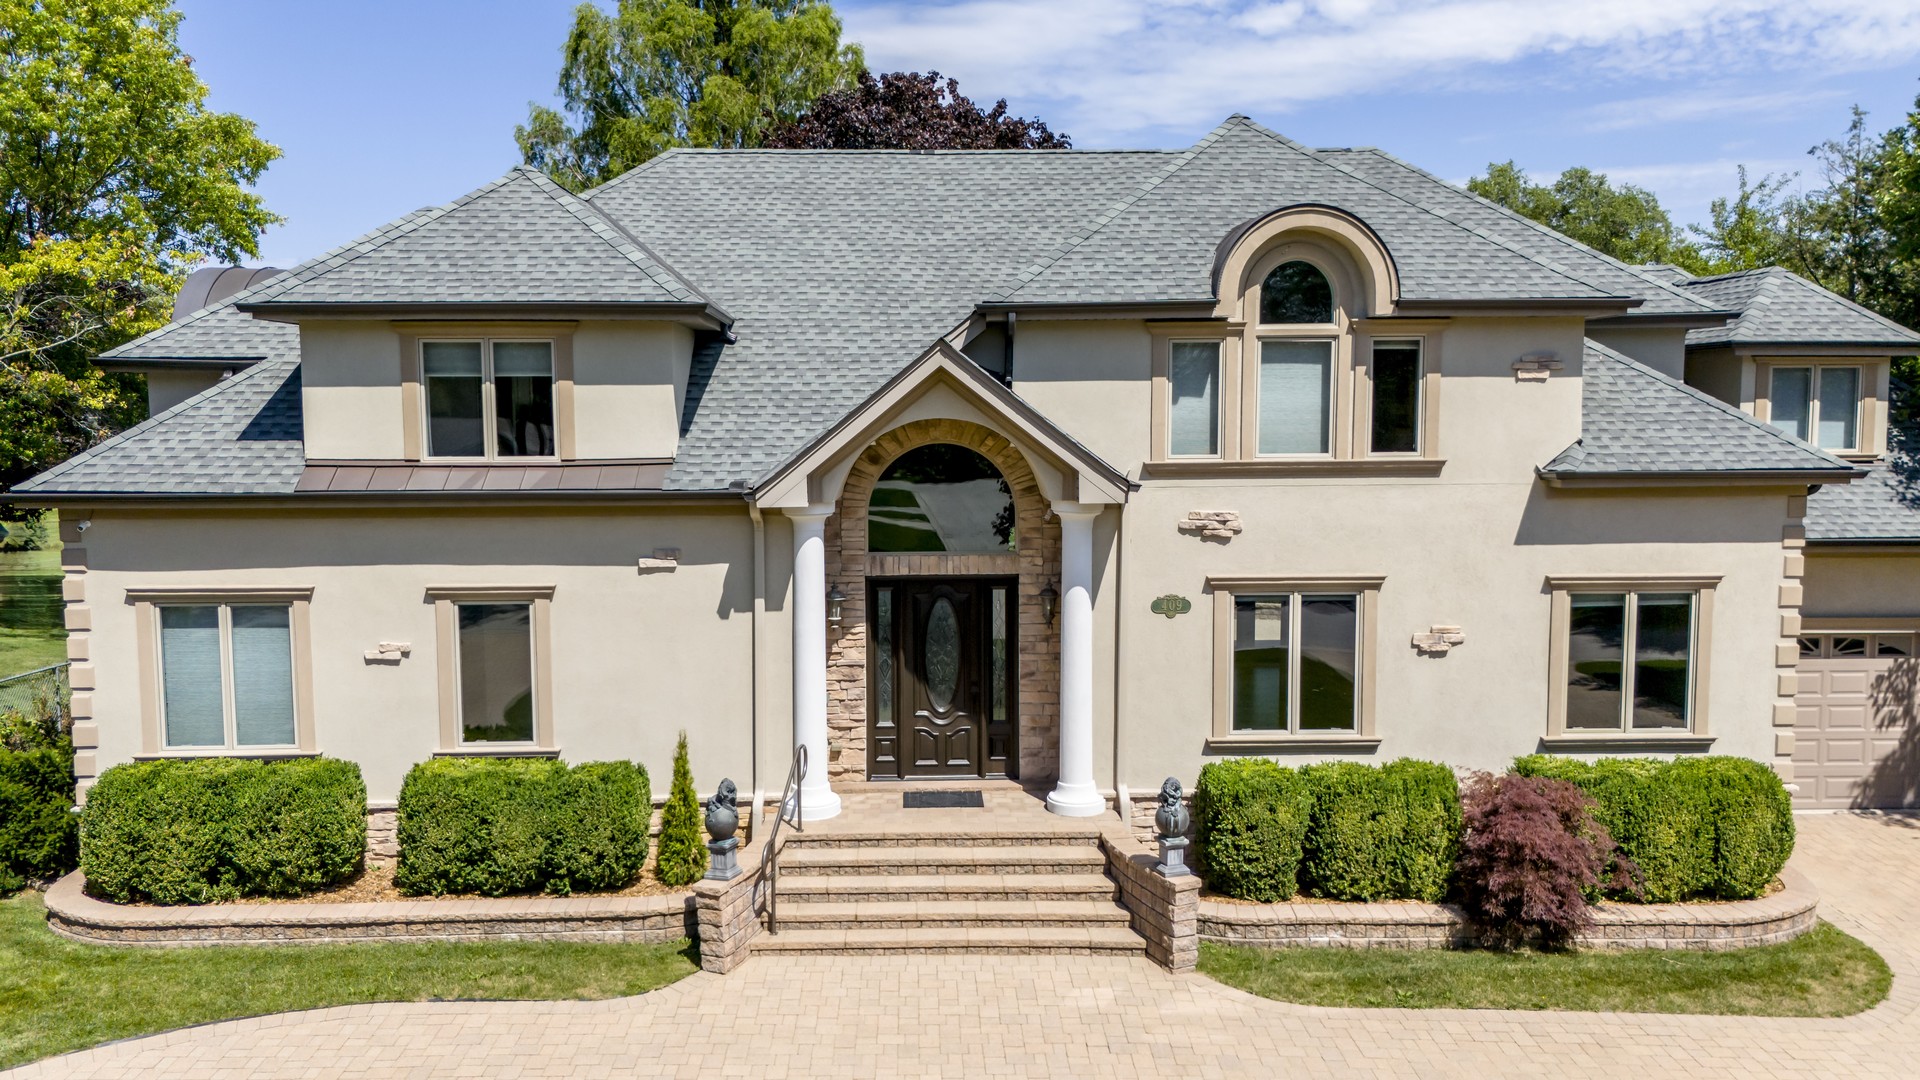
1689,104
1107,68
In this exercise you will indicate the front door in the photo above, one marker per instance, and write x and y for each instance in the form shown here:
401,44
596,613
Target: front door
940,678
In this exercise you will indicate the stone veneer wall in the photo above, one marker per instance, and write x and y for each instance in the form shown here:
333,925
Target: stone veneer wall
1037,564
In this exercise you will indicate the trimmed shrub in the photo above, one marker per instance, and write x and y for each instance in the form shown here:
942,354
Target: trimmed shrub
1531,855
39,834
1250,816
1752,816
476,825
299,826
683,850
1378,833
1706,826
599,838
210,829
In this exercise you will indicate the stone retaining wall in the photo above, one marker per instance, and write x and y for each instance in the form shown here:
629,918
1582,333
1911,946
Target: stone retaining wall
1783,916
73,914
1164,910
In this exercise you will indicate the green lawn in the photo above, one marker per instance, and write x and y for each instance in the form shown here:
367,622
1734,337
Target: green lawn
57,996
32,633
1823,973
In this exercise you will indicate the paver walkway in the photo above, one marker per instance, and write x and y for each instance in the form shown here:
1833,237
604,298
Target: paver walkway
1080,1016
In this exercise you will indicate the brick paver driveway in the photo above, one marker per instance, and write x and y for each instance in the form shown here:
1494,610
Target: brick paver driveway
1082,1016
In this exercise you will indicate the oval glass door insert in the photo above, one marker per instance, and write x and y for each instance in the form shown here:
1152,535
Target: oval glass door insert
942,654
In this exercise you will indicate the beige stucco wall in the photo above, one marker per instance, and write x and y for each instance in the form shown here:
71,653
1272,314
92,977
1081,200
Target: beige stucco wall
165,389
630,381
1091,378
636,657
1662,348
1885,585
350,391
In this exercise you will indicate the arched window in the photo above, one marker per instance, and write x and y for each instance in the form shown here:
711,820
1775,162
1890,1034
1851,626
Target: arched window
941,497
1296,292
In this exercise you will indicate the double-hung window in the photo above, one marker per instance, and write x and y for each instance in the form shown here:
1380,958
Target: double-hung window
1193,412
1819,405
1397,374
1631,656
226,676
489,398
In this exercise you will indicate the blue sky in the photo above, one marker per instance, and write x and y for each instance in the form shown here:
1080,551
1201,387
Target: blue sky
382,108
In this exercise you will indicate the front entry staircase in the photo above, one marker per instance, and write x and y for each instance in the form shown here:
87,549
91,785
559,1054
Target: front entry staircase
854,893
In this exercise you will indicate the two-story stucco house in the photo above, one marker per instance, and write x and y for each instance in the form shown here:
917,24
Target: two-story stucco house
1077,468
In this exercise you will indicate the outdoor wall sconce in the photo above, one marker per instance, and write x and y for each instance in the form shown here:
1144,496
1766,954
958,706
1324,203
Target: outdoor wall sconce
836,604
1049,603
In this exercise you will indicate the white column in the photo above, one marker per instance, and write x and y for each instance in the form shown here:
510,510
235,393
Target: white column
1075,795
817,800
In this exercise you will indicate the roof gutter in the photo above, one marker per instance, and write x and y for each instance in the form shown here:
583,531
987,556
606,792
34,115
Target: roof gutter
1616,305
141,364
350,499
709,315
1697,320
1698,478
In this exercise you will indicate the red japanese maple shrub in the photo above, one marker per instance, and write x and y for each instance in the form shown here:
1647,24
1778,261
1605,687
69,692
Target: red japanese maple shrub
1531,857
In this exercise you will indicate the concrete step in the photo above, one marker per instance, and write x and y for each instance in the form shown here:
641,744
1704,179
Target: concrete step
1002,940
1029,859
984,838
958,914
937,887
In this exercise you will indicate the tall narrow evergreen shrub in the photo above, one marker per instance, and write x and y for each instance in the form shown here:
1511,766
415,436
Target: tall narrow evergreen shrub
683,854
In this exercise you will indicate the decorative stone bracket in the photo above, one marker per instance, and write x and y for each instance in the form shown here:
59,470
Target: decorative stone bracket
1536,367
389,652
664,559
1222,525
1439,639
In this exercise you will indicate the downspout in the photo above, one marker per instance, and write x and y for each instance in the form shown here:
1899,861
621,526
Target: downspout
759,611
1006,369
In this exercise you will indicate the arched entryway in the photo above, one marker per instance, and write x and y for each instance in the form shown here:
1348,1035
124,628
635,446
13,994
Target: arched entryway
941,520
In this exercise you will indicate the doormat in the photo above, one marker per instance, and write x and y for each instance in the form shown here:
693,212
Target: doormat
928,800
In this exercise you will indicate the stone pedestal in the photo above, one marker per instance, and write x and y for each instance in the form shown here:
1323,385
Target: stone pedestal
1173,857
723,859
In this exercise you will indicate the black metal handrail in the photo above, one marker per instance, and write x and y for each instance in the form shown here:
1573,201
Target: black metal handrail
767,889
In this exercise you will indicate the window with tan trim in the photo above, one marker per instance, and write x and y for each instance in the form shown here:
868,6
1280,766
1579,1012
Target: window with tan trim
1293,659
1629,656
224,671
1837,403
487,391
494,649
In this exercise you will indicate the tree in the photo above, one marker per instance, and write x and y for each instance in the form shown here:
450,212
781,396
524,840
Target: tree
910,111
1756,228
662,73
683,855
1626,222
116,179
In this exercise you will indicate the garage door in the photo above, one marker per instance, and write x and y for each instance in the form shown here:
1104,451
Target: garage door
1856,736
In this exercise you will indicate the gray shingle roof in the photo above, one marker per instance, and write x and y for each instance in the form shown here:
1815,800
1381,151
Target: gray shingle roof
521,239
1634,419
840,268
1883,505
239,437
1778,307
1158,243
837,269
1662,293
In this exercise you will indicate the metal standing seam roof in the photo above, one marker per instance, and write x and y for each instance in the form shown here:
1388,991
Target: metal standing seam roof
1634,419
1779,307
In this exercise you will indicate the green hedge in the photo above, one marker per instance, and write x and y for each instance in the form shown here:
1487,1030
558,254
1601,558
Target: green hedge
1381,833
495,826
1250,816
1703,826
210,829
39,833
